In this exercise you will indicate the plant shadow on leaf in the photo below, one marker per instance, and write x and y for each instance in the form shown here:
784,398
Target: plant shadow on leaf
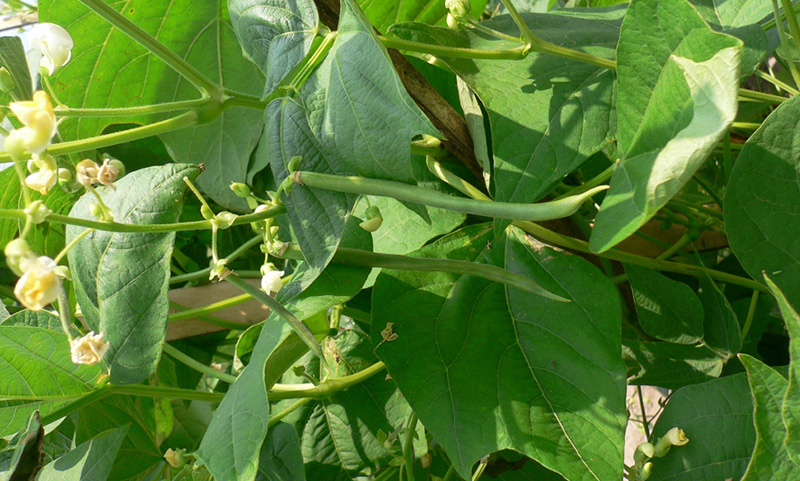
555,397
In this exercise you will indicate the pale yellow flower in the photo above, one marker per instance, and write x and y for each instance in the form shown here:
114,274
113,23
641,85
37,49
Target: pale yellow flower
39,122
44,174
88,349
39,285
107,173
86,172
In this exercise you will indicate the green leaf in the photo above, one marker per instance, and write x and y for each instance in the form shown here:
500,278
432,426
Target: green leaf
734,13
547,114
341,435
677,95
670,365
762,193
791,402
667,309
25,354
122,278
114,71
12,57
280,458
24,459
375,119
47,238
190,422
721,327
138,453
717,417
556,397
231,445
275,34
90,461
383,14
770,459
28,318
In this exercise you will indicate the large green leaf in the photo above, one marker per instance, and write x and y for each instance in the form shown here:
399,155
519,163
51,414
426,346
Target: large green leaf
280,458
383,14
26,355
763,192
43,319
677,94
138,453
275,34
791,402
670,365
548,114
231,445
122,278
12,57
770,458
720,326
111,70
90,461
556,390
353,116
717,417
733,13
667,309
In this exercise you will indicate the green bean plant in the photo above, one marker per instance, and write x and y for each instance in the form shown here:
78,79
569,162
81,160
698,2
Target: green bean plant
297,240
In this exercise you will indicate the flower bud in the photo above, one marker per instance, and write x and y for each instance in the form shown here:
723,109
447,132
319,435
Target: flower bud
225,219
674,437
54,43
206,212
14,144
374,219
647,471
6,81
39,285
95,210
18,255
86,172
107,173
271,281
218,270
241,190
459,9
37,211
88,349
115,163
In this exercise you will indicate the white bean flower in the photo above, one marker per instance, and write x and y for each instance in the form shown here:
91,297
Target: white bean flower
54,43
39,285
271,281
44,173
88,349
39,120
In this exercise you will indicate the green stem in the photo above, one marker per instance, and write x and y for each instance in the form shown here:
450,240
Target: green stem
150,43
276,307
710,190
86,400
216,321
454,52
118,227
780,84
479,470
64,312
186,119
617,255
167,392
316,58
408,449
454,181
356,257
546,47
591,183
419,195
236,99
745,94
428,146
71,244
204,272
140,110
357,315
685,239
794,28
490,31
26,194
450,474
276,418
751,313
325,388
197,365
645,423
216,306
526,32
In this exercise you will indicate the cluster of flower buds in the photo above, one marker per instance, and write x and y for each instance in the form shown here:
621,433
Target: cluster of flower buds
458,13
642,468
